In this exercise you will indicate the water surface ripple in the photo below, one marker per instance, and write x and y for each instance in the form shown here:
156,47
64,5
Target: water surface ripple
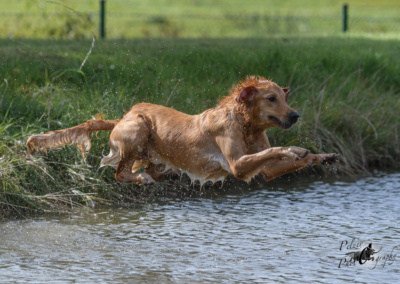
288,232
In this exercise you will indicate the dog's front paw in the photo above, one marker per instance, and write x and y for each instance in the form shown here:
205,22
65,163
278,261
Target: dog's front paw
323,159
330,159
296,153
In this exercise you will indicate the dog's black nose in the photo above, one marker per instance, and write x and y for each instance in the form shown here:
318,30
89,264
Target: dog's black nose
293,117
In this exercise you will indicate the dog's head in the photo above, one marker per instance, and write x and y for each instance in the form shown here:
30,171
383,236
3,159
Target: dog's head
267,102
369,251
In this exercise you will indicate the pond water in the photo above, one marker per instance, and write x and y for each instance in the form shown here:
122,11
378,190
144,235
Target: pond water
281,232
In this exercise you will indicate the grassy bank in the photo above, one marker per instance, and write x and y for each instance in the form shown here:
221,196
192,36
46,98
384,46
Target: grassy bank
347,91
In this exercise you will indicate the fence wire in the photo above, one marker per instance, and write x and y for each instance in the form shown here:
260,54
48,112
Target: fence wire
120,24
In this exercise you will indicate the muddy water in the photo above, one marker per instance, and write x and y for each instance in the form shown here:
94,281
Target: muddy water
285,232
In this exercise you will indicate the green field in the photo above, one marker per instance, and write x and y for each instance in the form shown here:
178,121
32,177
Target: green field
188,19
347,91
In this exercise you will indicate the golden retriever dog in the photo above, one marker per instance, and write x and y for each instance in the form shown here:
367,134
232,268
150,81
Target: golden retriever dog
229,138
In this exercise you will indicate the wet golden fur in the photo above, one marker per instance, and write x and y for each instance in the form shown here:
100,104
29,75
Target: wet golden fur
229,138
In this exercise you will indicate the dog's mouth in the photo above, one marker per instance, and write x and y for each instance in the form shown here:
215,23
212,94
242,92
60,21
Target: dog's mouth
281,124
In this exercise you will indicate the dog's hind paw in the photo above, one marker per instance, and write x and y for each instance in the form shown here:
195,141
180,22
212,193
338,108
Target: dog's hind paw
171,175
145,179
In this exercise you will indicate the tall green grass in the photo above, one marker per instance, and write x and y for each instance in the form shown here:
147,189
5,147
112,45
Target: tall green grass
347,91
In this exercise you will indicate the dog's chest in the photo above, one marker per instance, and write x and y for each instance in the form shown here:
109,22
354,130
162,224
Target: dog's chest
216,162
212,167
201,167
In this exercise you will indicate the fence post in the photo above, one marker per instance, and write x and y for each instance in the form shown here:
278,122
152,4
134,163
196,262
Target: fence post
345,18
102,19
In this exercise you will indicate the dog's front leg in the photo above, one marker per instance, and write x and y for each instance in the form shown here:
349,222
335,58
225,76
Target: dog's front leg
275,168
248,166
273,162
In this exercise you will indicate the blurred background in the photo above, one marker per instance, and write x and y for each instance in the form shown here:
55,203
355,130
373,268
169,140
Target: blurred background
76,19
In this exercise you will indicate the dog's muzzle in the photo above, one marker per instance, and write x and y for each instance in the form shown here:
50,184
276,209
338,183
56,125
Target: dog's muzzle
291,119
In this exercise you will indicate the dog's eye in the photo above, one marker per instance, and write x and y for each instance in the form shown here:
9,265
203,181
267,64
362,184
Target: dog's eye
272,99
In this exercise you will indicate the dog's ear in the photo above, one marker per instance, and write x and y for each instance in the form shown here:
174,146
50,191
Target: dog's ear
287,93
247,95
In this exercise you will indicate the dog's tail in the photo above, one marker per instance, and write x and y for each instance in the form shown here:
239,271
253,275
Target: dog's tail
77,136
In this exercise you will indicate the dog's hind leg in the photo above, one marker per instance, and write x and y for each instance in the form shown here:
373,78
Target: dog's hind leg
155,171
124,173
131,137
159,173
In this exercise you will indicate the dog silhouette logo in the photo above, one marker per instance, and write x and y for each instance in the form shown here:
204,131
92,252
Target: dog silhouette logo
364,255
